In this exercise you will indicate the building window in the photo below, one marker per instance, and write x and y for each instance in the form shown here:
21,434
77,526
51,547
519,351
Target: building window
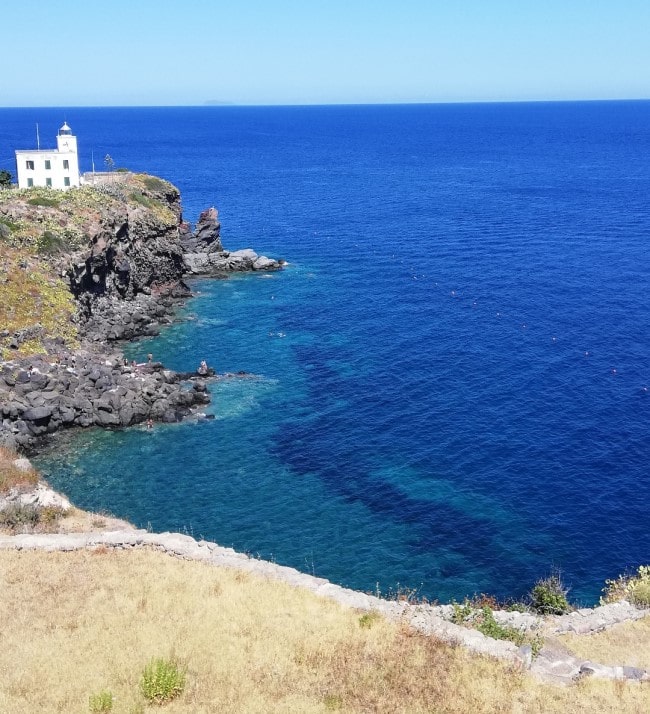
30,183
66,180
30,165
48,182
66,164
48,164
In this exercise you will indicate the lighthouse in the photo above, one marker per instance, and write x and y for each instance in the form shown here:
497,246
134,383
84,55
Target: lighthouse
50,168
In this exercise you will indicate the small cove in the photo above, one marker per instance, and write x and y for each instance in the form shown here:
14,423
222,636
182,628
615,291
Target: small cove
434,405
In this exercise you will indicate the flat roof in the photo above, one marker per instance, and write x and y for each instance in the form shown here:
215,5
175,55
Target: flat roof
40,151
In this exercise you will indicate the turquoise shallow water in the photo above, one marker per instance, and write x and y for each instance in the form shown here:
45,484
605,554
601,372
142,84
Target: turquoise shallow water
451,375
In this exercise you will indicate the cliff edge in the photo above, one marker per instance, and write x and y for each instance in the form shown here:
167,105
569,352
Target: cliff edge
84,269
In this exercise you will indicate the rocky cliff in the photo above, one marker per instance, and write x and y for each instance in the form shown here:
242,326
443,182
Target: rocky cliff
84,268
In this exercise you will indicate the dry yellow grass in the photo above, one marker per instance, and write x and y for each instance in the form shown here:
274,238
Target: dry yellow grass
627,644
78,521
13,477
74,624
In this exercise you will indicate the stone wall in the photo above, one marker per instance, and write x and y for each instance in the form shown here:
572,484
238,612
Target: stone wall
552,664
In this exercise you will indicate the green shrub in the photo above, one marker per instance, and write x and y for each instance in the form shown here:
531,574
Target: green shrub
48,201
548,596
8,224
484,622
155,184
462,613
5,179
516,606
142,199
102,702
367,620
635,588
333,702
481,617
162,680
50,242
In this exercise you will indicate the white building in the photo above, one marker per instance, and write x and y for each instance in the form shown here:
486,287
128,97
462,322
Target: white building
55,168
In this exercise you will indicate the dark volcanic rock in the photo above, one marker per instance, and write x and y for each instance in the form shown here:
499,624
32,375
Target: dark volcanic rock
37,414
208,230
205,255
89,388
127,283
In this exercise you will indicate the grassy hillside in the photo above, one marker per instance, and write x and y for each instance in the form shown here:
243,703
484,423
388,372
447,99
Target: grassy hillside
245,644
33,301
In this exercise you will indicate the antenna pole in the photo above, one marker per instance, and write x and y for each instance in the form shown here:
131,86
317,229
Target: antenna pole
38,138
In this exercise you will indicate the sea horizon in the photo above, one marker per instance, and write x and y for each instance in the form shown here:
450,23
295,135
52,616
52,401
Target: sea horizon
228,105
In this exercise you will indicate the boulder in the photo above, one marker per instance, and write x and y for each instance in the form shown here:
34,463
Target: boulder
264,263
37,414
103,418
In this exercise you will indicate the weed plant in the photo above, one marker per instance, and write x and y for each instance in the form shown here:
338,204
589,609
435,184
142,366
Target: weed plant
368,619
101,702
635,588
20,517
155,184
482,619
47,201
162,681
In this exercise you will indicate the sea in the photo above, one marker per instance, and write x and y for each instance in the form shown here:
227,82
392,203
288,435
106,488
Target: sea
450,378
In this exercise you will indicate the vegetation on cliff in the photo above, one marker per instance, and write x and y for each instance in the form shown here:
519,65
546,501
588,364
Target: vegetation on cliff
45,235
35,304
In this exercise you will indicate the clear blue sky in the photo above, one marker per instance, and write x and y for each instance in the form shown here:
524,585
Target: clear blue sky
164,52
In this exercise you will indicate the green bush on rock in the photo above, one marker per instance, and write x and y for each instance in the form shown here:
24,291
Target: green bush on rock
548,596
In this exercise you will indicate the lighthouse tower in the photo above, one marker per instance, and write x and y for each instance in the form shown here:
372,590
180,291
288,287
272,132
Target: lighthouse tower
52,168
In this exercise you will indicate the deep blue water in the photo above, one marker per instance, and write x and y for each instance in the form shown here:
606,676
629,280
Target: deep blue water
452,370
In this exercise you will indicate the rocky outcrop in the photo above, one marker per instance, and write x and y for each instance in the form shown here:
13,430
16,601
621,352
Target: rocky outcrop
206,237
108,319
205,255
135,251
41,496
127,281
38,396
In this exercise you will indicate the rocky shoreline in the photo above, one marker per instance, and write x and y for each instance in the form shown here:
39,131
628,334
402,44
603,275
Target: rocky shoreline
127,285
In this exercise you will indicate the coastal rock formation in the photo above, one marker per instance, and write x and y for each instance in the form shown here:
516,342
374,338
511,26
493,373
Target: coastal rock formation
123,249
40,496
206,237
205,254
38,396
